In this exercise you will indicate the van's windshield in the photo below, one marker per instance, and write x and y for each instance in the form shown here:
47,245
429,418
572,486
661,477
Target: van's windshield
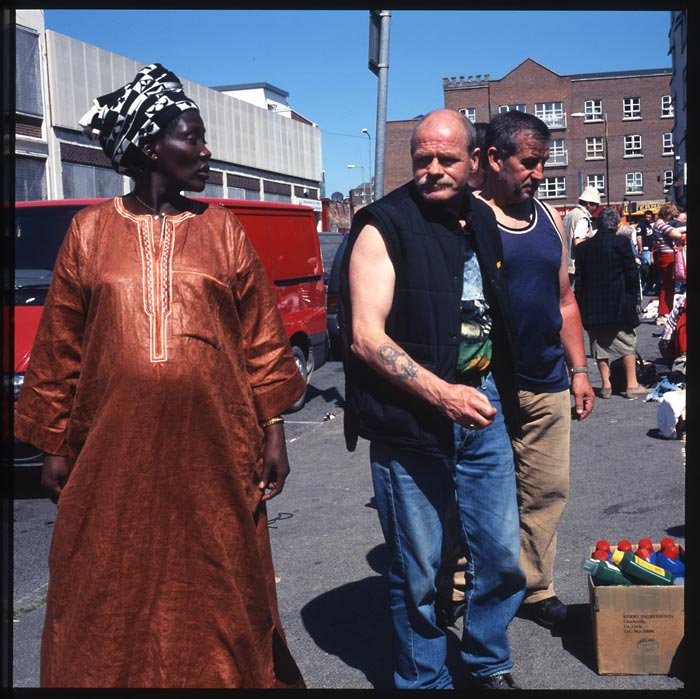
39,233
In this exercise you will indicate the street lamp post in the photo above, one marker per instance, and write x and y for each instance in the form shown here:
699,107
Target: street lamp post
362,167
608,184
369,160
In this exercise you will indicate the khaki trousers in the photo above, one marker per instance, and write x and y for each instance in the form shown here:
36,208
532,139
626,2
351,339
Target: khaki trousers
542,475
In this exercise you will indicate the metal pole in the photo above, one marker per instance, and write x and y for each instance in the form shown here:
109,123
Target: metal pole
369,160
382,89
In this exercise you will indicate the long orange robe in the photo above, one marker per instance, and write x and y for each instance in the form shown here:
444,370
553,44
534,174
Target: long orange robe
159,350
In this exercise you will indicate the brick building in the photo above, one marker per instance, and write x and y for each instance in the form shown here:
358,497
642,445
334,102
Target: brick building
613,131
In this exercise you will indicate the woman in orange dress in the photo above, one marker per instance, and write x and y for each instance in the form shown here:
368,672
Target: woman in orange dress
156,383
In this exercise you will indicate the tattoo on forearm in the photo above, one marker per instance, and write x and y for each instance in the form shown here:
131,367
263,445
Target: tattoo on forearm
400,363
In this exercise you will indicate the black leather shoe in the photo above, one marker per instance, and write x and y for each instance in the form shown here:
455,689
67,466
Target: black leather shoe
550,612
503,681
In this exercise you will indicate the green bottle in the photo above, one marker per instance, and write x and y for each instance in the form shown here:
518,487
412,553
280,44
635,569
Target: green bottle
604,573
640,571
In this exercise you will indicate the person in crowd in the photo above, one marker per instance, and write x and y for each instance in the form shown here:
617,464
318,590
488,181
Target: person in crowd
645,244
551,360
629,232
665,237
578,224
156,385
429,360
478,175
673,343
608,294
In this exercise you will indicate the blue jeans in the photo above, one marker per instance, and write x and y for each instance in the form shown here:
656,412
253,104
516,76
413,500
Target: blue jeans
412,494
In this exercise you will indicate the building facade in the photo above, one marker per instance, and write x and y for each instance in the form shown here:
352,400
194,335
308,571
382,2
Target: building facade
678,41
259,152
612,131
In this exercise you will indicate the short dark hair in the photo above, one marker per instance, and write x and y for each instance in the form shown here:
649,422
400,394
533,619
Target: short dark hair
608,219
648,212
504,130
480,129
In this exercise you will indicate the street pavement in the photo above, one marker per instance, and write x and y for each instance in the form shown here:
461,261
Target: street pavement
330,557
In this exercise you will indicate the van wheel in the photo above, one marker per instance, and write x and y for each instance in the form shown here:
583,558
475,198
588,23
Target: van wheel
300,361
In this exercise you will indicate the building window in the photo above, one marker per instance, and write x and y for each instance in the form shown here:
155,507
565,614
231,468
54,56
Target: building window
87,182
551,113
594,148
213,190
557,153
470,113
633,183
631,108
511,108
633,146
30,179
597,182
552,188
667,144
593,109
668,180
666,107
27,73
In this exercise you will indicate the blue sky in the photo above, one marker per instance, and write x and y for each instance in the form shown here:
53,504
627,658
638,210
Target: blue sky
320,56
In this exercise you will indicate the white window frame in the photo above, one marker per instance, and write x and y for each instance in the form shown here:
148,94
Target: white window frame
558,156
668,180
631,108
597,182
634,183
470,113
552,188
551,113
593,109
667,110
633,146
667,144
595,148
512,108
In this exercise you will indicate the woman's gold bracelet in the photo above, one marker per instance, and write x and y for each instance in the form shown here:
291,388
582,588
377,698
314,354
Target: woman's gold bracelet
271,421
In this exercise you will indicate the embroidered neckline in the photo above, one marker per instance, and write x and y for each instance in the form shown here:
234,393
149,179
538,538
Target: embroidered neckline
123,211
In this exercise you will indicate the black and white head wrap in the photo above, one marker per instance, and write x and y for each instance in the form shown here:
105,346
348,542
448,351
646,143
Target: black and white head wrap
124,119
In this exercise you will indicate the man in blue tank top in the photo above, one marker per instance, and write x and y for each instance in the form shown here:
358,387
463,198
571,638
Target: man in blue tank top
552,358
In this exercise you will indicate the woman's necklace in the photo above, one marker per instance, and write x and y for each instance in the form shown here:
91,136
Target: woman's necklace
144,204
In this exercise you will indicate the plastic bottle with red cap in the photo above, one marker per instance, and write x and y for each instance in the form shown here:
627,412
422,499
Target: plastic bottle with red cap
669,559
602,550
624,545
646,546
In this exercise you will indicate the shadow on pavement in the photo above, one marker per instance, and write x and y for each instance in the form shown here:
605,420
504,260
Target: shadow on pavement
353,622
577,635
329,395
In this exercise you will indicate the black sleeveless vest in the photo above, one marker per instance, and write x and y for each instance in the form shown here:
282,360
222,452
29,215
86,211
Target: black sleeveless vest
426,246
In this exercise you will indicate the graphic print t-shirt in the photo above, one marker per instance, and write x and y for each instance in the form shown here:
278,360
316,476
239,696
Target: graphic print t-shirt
475,343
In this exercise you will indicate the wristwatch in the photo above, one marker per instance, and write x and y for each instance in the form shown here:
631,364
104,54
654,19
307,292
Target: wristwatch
579,370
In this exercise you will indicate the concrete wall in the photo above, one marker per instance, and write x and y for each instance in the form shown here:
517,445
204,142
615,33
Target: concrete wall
238,132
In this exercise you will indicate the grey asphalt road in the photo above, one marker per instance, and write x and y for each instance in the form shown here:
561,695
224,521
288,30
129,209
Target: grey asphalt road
330,557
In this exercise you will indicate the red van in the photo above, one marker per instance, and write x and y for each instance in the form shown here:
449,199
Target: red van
283,235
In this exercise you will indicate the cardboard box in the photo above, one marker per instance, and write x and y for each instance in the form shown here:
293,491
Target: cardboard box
637,629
